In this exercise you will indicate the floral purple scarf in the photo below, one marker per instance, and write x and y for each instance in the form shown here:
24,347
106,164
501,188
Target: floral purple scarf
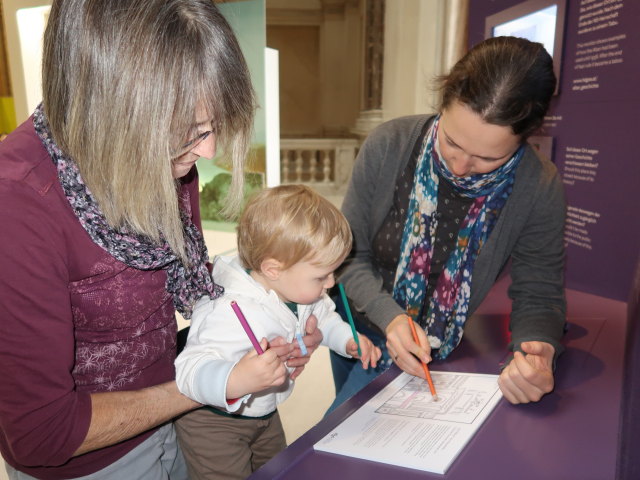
187,285
446,312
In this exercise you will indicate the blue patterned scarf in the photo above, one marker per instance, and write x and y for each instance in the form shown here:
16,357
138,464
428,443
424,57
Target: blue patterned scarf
186,285
448,308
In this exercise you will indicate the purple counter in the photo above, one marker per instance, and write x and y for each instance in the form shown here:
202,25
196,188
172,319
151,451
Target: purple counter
570,434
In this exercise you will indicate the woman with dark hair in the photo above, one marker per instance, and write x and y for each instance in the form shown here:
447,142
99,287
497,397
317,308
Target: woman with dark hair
439,204
100,236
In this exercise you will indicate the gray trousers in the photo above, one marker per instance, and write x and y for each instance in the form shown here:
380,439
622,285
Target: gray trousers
157,458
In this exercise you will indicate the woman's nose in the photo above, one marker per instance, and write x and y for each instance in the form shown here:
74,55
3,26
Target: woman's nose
461,165
207,147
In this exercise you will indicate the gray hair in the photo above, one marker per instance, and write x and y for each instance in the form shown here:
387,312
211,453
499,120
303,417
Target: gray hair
122,81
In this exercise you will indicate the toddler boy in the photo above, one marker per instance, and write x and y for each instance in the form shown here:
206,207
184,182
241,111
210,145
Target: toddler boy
290,241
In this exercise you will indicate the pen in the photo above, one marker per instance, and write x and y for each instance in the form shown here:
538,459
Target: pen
424,365
247,328
303,347
345,302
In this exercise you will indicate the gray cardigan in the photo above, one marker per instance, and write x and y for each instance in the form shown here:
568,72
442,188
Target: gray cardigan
530,231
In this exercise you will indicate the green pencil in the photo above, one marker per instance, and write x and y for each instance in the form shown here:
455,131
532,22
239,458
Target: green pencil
345,302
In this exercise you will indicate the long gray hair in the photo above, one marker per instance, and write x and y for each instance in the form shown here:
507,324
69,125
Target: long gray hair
122,81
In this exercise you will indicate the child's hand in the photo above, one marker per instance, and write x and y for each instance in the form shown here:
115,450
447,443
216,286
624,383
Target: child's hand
370,353
254,373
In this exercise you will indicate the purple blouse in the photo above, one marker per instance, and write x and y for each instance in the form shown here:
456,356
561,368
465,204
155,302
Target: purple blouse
73,320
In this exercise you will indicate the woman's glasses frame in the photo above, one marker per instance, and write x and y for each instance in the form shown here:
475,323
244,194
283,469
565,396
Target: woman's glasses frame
193,143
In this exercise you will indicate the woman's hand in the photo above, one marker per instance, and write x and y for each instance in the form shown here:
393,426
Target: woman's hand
282,348
291,353
406,353
370,353
528,376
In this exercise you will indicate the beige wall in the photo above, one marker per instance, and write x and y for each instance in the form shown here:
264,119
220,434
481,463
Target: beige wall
320,45
341,65
5,84
322,67
412,56
299,74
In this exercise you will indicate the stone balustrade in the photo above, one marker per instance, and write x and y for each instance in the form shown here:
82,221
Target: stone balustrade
325,164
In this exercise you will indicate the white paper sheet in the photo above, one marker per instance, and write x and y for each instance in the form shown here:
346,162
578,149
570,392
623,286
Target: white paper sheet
402,425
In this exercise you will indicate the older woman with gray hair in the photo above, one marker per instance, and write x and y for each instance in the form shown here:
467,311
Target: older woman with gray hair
101,233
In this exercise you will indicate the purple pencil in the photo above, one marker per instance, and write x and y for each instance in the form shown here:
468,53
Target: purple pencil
247,328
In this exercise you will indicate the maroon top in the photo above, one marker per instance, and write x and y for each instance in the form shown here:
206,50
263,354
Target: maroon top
73,320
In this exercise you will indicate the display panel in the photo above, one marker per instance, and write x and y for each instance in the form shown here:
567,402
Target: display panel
536,20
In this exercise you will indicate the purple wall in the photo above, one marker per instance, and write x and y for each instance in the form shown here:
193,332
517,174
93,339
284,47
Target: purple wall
595,125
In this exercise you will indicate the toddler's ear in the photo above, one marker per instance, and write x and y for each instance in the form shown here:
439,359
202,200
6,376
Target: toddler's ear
271,268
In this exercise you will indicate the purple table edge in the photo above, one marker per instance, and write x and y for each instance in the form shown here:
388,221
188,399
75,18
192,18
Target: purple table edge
570,434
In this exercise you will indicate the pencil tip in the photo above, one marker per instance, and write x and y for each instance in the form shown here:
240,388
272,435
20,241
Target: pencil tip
435,398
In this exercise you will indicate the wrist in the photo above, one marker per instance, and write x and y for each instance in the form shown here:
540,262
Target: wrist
399,319
236,387
172,394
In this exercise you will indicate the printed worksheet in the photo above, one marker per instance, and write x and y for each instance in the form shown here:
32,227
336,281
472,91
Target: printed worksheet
402,425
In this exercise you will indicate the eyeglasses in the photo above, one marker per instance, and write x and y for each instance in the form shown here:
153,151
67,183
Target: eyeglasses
193,143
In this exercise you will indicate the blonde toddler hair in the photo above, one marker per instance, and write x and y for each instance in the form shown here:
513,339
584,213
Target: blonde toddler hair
292,223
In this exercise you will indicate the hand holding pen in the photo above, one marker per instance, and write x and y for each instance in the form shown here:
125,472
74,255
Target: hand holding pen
409,348
257,370
291,353
365,350
359,346
423,363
